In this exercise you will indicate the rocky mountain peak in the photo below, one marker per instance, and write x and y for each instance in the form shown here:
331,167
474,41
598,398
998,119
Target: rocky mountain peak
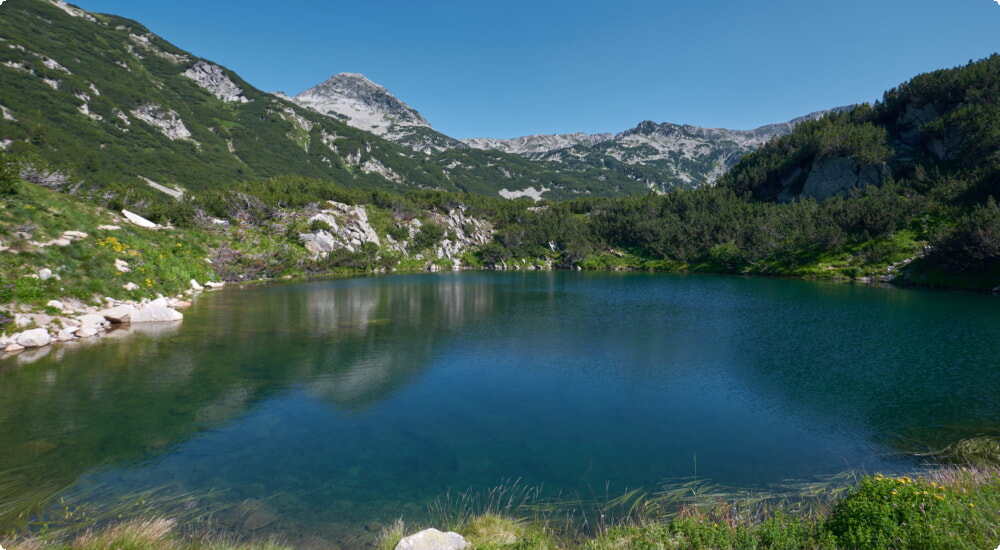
361,103
365,105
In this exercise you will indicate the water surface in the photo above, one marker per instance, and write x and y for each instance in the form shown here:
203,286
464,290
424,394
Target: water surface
337,406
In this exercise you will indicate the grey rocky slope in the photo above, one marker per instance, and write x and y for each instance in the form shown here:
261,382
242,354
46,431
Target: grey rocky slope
684,155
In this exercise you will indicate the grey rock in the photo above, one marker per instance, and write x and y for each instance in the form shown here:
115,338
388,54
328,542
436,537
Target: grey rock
45,274
326,218
139,220
167,121
34,338
364,104
118,314
837,176
432,539
156,314
212,78
319,243
92,320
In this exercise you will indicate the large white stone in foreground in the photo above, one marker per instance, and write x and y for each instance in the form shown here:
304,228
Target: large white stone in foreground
432,539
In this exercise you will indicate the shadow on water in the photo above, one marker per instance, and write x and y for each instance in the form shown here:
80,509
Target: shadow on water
330,408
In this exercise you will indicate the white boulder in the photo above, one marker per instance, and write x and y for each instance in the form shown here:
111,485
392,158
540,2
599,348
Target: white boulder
138,220
156,314
34,338
432,539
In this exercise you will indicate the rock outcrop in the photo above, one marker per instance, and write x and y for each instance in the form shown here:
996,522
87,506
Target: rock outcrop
212,78
832,176
167,121
348,228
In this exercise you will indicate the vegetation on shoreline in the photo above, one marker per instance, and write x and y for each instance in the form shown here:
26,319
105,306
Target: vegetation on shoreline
946,507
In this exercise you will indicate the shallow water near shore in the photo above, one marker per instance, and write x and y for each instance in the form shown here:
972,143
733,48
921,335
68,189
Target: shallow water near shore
327,409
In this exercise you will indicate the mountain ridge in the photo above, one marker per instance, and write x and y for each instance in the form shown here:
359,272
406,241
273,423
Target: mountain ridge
105,98
684,155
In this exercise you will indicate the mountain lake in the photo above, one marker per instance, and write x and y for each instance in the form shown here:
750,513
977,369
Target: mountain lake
324,410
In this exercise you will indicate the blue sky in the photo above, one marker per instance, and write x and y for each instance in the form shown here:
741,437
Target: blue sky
509,68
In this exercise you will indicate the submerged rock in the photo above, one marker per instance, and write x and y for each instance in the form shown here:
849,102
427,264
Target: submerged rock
432,539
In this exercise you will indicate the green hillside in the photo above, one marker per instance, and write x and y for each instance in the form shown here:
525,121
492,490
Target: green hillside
932,149
74,90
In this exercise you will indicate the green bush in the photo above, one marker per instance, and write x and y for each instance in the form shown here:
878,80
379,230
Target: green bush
428,236
319,225
885,512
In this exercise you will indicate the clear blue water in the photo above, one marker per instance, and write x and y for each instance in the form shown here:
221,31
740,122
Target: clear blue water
337,406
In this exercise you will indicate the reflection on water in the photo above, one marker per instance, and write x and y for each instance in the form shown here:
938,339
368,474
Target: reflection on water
326,407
